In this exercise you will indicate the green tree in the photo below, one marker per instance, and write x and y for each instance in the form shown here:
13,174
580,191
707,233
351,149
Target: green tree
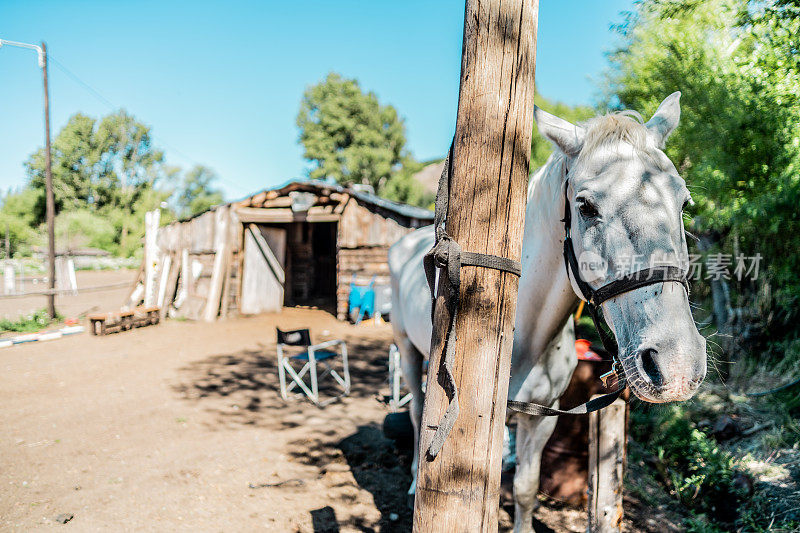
19,213
128,162
99,164
81,228
348,135
402,187
197,192
108,168
74,155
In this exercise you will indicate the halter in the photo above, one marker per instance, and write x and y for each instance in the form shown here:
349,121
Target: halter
595,298
642,278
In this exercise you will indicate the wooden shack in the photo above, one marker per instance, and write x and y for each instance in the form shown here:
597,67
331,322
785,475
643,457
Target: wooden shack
298,245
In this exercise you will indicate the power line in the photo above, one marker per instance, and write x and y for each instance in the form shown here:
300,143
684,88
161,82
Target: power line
82,83
111,106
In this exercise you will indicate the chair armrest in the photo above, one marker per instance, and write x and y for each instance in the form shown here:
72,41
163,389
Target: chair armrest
326,344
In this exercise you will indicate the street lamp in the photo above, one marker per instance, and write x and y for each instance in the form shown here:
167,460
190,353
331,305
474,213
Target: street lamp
49,199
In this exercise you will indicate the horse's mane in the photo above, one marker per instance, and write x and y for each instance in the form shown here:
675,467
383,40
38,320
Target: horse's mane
613,128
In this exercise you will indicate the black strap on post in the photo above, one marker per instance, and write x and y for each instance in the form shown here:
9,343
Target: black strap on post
447,255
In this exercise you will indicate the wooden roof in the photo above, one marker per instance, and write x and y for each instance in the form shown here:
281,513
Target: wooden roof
332,193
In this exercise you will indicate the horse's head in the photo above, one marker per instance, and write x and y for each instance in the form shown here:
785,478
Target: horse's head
626,200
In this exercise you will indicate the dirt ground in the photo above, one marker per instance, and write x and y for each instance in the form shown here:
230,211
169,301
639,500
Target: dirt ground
180,426
72,306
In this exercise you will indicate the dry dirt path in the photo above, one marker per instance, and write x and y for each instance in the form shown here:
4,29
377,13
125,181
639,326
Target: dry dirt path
164,428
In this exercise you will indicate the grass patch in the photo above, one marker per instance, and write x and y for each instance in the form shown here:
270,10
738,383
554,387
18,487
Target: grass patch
29,323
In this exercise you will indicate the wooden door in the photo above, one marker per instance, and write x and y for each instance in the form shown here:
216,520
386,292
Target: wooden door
263,275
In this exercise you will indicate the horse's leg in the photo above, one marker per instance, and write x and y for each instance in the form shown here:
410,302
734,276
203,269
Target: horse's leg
411,362
532,434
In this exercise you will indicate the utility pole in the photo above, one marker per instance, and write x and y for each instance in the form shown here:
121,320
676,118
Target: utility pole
459,490
49,200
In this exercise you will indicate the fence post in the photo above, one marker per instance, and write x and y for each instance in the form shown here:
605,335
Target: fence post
459,490
9,283
607,442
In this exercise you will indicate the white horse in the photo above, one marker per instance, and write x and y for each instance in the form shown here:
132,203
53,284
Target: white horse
626,199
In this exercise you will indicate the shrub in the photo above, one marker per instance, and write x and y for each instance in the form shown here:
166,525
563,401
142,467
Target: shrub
80,228
698,473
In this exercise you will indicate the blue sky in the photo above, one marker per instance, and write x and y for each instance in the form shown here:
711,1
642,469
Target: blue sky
220,82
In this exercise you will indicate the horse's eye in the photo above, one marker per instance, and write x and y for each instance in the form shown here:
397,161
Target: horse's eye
587,209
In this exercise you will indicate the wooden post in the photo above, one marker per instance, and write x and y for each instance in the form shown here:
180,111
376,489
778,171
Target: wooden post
166,266
50,202
9,283
186,272
607,440
221,221
171,287
459,490
151,258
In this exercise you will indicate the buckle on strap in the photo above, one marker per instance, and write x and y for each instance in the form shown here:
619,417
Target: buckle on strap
614,372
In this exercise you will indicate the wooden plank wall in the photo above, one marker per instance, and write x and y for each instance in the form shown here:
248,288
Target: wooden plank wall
190,286
364,240
360,226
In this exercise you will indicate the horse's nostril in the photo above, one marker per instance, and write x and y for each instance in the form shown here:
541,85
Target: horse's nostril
649,365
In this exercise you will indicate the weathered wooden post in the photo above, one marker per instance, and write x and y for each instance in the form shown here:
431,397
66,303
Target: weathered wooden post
607,441
151,223
459,489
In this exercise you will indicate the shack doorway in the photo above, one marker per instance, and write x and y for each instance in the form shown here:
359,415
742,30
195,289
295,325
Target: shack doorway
311,265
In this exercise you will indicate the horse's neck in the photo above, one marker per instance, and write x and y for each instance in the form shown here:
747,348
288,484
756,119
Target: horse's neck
545,297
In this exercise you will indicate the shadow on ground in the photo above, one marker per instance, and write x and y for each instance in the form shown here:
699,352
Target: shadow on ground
242,387
383,471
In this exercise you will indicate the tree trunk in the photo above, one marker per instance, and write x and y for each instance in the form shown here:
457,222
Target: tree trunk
721,309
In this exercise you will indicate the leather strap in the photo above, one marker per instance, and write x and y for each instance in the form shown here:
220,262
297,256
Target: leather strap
642,278
589,407
447,255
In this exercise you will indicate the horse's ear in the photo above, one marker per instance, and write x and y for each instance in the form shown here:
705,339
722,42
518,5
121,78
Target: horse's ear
666,118
566,136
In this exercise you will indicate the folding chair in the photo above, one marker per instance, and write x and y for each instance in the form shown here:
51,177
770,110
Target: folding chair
313,355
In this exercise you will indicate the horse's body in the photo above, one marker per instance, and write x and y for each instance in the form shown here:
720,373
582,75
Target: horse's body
543,356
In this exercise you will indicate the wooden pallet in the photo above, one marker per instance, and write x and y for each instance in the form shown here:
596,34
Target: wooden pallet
105,323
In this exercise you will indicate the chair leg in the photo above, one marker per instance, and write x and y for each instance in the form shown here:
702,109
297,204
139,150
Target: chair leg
312,361
345,370
315,376
394,376
336,376
299,375
299,381
281,373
